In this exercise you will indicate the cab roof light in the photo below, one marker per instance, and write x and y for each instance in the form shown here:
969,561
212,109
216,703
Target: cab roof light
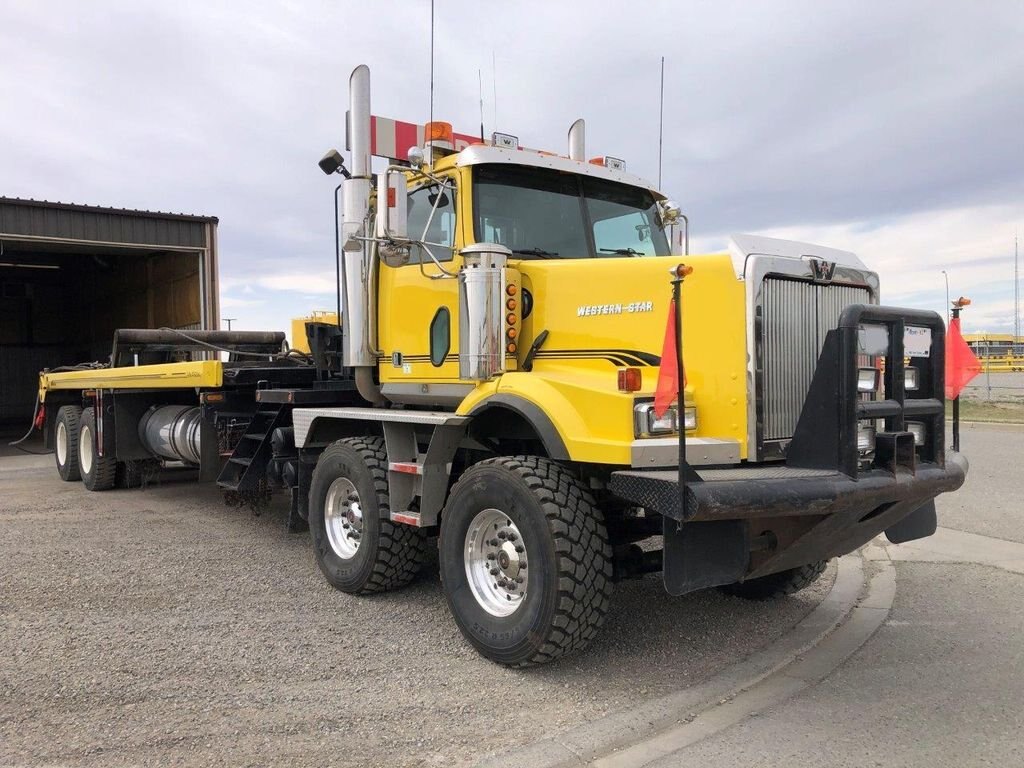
504,140
608,161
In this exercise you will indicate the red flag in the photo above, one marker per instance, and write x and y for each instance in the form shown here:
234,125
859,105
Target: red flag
668,372
961,364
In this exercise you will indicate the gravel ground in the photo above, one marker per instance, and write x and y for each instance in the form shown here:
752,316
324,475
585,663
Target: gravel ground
159,626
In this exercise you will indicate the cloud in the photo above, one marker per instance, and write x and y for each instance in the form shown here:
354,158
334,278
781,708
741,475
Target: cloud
892,129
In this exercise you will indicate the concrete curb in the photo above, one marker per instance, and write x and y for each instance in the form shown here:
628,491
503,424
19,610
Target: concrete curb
586,743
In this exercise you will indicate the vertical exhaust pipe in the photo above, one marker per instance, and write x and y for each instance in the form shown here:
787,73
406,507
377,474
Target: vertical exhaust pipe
577,141
358,279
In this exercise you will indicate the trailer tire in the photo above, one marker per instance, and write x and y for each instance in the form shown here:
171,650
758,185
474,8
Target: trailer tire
776,585
359,550
65,442
561,575
98,473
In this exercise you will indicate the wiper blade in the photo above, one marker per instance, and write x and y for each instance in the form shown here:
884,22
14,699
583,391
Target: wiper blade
538,252
621,251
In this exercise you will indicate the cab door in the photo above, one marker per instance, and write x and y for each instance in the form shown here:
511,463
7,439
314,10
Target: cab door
419,302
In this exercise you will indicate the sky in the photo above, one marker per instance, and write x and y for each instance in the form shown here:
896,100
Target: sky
892,129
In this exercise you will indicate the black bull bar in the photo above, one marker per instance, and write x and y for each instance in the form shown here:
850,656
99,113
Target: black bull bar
835,497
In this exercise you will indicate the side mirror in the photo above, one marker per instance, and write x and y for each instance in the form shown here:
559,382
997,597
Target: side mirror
670,212
392,206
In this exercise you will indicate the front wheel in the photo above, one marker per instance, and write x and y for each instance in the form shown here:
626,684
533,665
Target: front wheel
525,560
780,584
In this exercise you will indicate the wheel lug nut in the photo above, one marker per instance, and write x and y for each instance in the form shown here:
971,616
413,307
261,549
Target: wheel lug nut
511,536
502,535
494,542
494,571
522,566
519,579
520,548
491,556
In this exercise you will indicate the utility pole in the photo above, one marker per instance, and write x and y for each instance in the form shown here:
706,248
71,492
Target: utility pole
228,320
1016,296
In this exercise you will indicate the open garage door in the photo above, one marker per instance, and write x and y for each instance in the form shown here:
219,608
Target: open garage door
71,274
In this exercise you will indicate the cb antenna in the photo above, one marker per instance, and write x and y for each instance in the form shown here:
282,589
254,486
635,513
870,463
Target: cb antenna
494,83
661,120
431,61
480,82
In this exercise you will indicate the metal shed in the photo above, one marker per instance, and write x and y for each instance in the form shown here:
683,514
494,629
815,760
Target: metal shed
71,274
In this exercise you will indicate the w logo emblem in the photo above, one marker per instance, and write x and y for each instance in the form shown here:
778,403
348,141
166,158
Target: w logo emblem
823,270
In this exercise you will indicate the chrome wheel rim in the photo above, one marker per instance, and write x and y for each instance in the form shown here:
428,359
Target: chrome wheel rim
343,518
496,567
85,450
62,443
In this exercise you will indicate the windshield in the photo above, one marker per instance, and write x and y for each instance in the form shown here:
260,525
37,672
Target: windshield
541,213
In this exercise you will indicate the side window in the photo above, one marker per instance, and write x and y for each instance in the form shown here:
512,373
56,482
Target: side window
440,235
440,337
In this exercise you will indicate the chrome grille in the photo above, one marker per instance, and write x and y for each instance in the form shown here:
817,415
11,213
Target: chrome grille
796,316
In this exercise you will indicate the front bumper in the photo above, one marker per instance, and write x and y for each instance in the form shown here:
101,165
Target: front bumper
837,513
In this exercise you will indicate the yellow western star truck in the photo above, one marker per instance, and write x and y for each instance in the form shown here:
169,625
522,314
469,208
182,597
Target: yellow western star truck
491,385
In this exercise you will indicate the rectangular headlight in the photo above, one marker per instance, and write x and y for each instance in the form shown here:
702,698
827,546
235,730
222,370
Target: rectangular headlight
647,424
661,425
865,439
867,380
917,428
690,418
911,378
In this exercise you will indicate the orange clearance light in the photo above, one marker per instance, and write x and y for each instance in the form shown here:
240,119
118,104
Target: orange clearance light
511,303
510,319
596,161
439,131
682,270
511,333
629,379
511,348
963,301
510,290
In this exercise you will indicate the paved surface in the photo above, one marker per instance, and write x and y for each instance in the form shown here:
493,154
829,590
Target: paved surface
940,684
158,625
991,502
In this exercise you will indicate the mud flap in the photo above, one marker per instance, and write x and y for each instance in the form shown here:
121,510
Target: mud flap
705,554
919,524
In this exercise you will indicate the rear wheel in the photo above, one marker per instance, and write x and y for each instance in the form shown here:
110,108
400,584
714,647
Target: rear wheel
359,550
98,472
779,584
524,560
65,442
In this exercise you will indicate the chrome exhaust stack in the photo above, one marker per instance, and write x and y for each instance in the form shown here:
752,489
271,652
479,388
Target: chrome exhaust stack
482,311
360,295
577,141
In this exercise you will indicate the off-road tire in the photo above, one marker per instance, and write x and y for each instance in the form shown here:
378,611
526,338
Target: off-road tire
567,551
776,585
68,418
389,555
98,473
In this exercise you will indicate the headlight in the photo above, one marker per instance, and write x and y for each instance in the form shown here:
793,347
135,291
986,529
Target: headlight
646,424
865,439
867,380
690,417
911,378
917,428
